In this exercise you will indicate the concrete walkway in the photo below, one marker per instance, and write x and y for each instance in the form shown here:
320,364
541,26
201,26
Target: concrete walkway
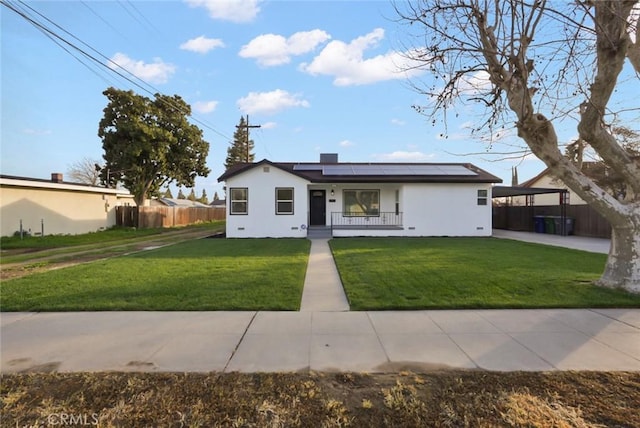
323,289
593,245
503,340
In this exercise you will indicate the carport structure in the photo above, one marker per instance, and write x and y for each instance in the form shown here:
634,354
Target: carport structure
529,192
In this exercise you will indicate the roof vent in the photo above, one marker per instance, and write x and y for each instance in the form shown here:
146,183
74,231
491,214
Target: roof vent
328,158
56,177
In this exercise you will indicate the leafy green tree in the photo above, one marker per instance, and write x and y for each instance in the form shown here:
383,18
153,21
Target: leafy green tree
150,143
237,152
204,199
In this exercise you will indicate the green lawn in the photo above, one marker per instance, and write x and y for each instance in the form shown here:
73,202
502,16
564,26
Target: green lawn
204,274
104,236
438,273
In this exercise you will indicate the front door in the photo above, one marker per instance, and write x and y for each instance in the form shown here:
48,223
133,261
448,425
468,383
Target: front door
317,208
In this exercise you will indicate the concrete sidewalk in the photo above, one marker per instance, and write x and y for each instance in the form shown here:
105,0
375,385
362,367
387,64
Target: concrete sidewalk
584,243
323,289
502,340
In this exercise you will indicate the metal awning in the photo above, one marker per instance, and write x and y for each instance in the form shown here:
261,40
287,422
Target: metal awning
505,191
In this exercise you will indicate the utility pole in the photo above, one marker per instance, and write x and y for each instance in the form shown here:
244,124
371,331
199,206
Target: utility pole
247,127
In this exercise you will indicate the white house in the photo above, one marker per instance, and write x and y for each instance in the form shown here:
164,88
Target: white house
278,199
56,206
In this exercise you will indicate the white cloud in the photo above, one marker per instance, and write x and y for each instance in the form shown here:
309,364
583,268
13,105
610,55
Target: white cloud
229,10
39,132
201,44
269,125
270,102
155,72
346,143
205,106
347,64
273,49
398,122
403,156
478,82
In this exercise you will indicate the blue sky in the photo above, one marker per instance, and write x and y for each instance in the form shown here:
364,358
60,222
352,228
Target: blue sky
317,76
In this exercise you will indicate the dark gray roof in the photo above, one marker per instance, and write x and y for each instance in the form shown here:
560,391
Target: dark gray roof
376,172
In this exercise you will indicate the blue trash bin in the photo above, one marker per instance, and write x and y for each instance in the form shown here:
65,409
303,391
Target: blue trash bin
538,224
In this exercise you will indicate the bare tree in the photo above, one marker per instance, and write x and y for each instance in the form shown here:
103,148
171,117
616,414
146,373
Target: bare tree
542,64
85,171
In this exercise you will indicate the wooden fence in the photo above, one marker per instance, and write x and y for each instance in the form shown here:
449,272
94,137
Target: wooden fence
586,221
152,217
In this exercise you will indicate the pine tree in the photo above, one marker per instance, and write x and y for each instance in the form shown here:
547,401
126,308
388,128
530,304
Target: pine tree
181,195
237,152
216,197
192,195
204,198
168,194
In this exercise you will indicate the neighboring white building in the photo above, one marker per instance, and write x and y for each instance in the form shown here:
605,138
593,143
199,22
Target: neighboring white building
56,206
276,199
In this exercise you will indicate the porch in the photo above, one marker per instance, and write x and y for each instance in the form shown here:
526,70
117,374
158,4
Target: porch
358,221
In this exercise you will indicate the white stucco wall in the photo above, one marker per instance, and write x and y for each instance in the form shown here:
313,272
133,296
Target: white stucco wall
446,210
63,208
430,209
261,220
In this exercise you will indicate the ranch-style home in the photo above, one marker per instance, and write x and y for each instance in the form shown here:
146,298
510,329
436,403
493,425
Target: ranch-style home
51,207
287,199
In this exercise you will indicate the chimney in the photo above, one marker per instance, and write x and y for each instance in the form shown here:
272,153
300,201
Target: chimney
56,177
328,158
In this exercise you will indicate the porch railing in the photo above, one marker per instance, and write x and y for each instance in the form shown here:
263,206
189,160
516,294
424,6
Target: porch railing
382,220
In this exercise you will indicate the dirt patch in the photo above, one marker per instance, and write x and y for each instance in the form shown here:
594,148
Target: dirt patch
438,399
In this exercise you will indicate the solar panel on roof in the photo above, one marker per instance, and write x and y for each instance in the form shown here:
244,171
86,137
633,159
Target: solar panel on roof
337,170
456,170
307,167
367,170
401,170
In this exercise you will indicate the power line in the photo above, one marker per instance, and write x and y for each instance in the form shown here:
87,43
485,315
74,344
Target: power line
85,4
148,24
247,127
58,39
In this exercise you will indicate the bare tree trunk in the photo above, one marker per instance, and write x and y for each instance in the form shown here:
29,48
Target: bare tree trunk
464,37
622,264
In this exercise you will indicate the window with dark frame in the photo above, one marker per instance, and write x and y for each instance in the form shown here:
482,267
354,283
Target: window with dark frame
239,200
482,197
284,200
361,203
